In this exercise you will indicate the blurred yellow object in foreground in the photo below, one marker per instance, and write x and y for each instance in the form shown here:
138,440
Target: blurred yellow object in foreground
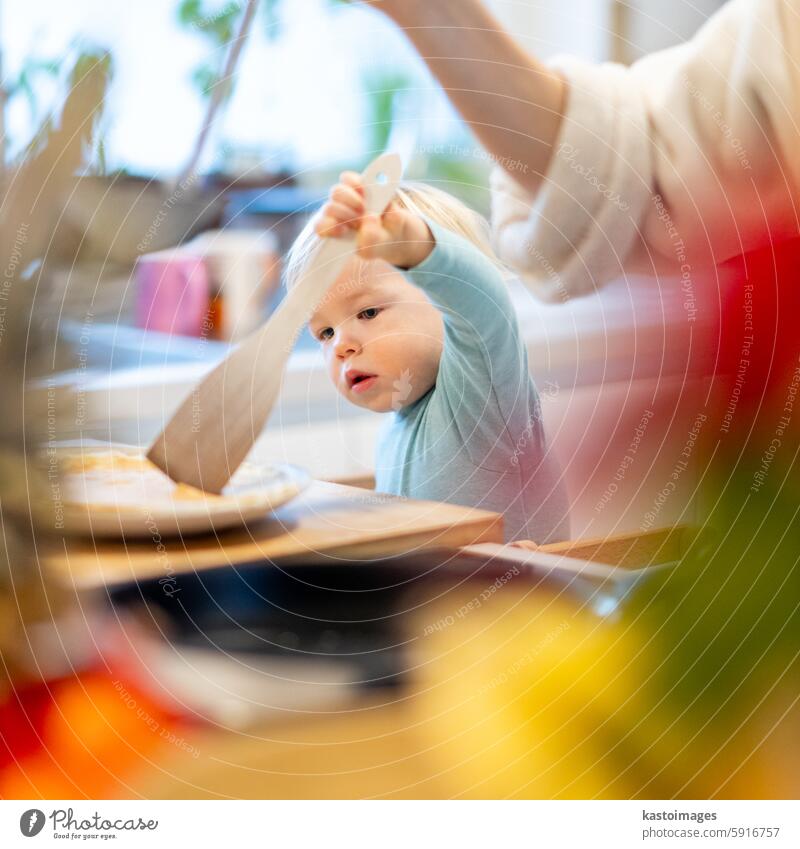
530,696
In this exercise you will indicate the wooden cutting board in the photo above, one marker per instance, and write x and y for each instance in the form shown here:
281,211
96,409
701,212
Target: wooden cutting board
326,523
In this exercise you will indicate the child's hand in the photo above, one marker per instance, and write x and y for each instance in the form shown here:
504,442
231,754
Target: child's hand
527,544
399,237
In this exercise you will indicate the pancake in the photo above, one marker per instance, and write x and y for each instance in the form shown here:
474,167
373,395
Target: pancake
113,479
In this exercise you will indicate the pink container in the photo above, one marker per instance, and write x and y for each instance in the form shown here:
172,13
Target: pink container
172,292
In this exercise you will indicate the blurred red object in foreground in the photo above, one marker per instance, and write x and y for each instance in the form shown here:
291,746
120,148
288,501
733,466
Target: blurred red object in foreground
82,734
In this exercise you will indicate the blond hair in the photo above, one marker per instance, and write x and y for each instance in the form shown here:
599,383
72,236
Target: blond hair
419,199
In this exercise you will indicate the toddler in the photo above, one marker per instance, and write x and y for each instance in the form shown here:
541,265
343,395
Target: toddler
420,325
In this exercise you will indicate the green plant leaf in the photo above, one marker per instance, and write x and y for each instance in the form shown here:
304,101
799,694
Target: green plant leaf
380,89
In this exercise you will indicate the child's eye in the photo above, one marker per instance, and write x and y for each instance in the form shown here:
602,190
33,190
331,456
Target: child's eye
369,313
325,333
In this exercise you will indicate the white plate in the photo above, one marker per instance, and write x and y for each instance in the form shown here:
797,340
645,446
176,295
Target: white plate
114,491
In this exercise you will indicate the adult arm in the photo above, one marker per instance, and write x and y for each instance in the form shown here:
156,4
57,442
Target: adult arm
512,102
679,162
675,164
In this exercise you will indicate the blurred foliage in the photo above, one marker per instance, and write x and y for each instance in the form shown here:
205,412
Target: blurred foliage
467,179
217,24
89,76
382,90
218,27
727,620
90,62
94,67
33,68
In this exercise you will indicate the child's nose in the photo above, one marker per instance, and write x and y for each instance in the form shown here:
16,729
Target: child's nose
346,344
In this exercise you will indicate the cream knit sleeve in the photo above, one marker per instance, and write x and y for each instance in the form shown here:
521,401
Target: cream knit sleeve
688,157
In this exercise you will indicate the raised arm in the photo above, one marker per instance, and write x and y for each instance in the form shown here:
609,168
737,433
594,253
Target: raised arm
675,164
512,101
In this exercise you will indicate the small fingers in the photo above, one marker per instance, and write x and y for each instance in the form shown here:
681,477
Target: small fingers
349,197
527,544
329,228
336,219
352,179
342,213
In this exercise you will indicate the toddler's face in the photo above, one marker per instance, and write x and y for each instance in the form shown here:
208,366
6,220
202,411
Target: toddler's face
381,337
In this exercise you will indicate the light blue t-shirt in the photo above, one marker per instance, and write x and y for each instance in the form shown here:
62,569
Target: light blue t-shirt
476,438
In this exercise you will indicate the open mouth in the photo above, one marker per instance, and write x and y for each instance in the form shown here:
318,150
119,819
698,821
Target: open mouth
360,381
